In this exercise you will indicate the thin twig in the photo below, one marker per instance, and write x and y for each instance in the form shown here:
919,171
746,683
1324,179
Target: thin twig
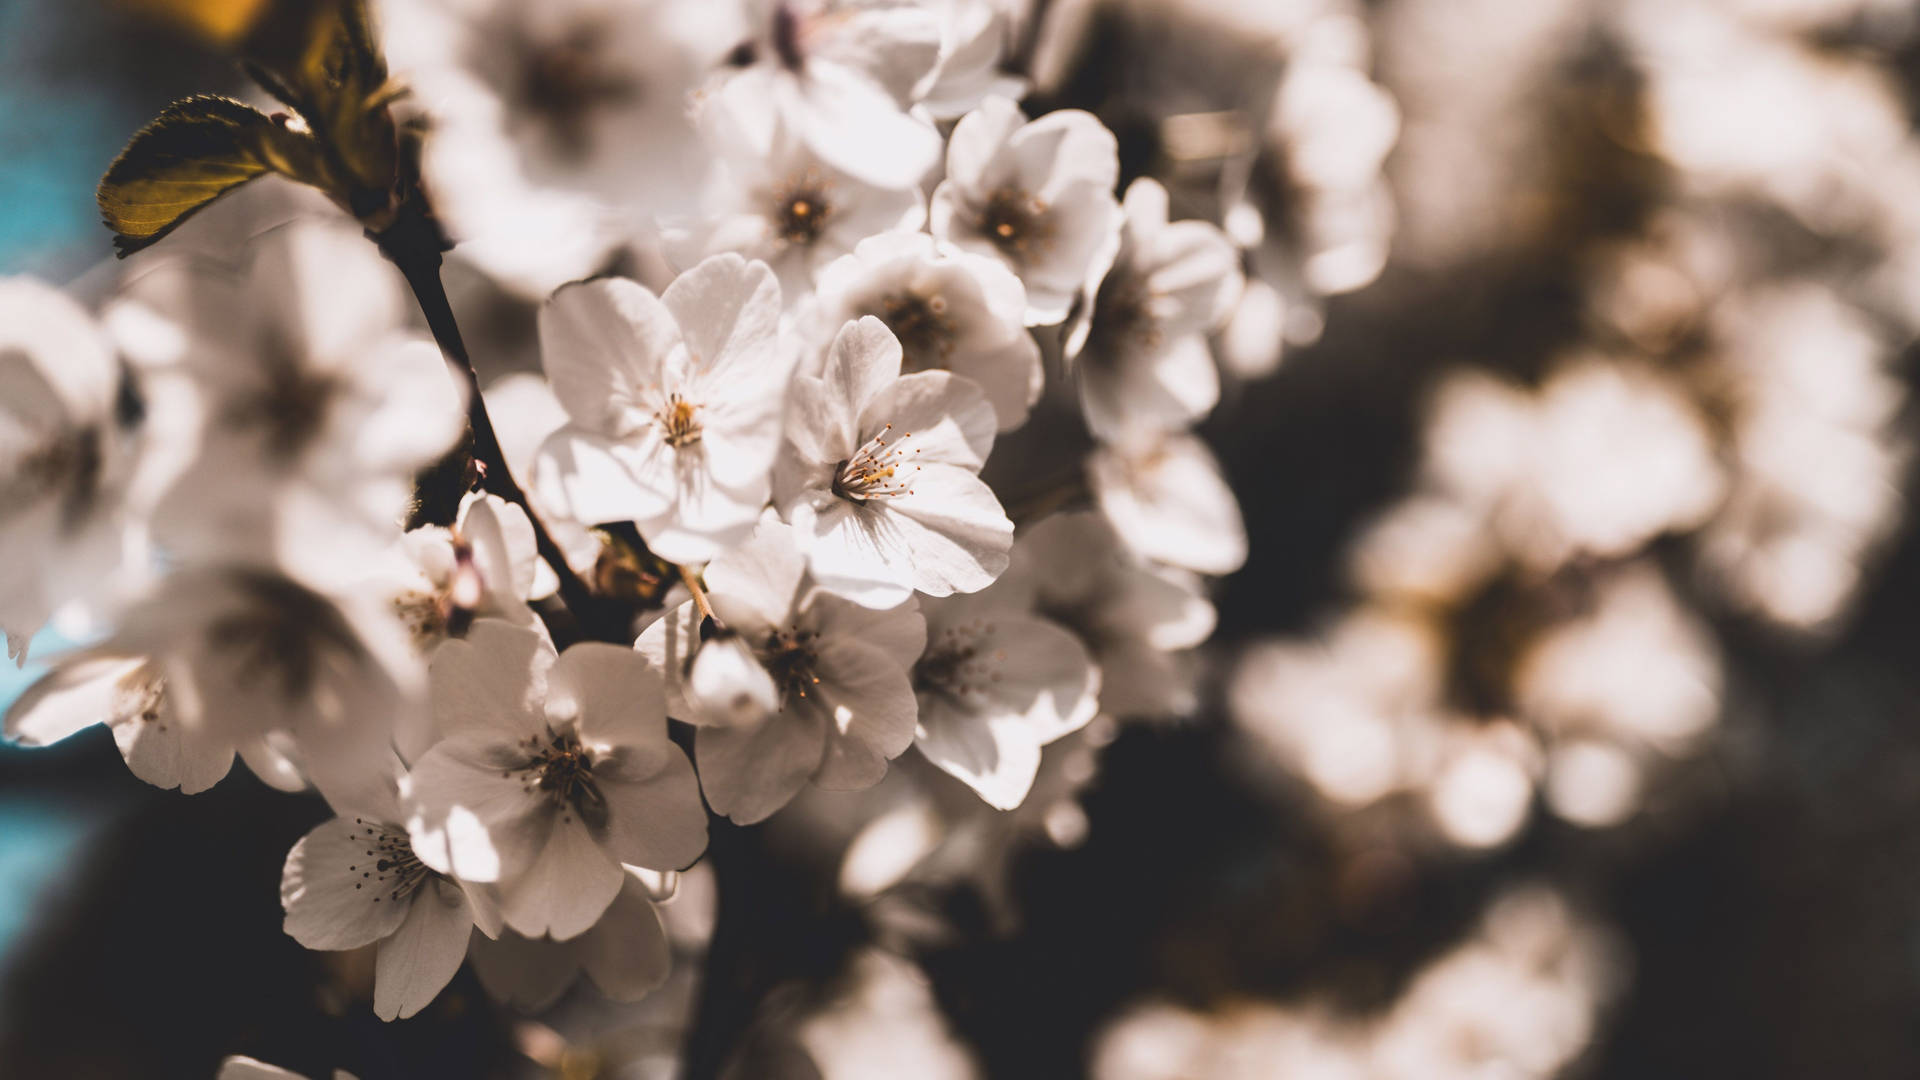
418,257
692,582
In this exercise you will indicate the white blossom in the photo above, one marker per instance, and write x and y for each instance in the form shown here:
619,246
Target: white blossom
549,775
839,75
843,704
951,311
625,954
1138,336
1169,502
1036,195
880,478
67,456
996,684
675,403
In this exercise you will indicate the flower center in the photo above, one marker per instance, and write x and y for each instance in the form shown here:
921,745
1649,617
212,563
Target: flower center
926,334
1015,222
954,664
802,210
678,423
391,868
1123,316
789,657
141,695
283,631
877,470
69,466
288,412
564,80
561,770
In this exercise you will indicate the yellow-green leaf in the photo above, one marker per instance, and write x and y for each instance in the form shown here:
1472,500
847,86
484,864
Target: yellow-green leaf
197,150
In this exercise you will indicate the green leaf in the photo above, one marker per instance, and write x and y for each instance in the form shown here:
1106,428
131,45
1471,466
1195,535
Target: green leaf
197,150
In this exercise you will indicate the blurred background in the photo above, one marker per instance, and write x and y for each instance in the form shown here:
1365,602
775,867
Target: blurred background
1564,721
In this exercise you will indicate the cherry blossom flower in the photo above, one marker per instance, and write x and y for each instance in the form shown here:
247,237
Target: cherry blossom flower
880,476
951,310
225,659
316,406
625,954
550,773
480,567
68,447
777,200
995,685
559,127
843,704
1038,196
1168,501
675,403
1136,621
354,880
840,75
974,35
1139,333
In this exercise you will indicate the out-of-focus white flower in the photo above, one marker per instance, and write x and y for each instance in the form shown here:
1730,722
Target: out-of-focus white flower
1482,786
549,775
1255,335
1427,548
777,200
222,659
845,704
974,38
354,881
880,478
951,310
1169,502
557,127
1639,669
675,403
241,1067
1036,195
315,405
1605,458
1817,464
996,684
884,1023
625,955
839,76
1520,999
1139,332
1334,126
67,457
1137,622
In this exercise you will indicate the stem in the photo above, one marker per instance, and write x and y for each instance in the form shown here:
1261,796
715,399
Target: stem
692,582
415,251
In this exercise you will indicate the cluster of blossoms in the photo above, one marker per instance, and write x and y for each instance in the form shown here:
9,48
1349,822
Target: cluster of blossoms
863,254
1518,625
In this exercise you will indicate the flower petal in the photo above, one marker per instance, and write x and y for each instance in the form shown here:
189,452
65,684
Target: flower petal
570,883
603,344
654,820
411,967
626,954
336,892
748,773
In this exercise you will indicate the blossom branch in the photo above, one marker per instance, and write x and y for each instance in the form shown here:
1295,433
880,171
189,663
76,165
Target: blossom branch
414,245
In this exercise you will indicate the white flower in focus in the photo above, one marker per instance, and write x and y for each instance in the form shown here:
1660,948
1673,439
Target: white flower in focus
951,310
880,479
67,449
995,685
354,880
1169,502
778,201
675,404
1139,333
557,127
220,660
626,955
549,775
1137,622
1037,196
316,405
843,704
839,75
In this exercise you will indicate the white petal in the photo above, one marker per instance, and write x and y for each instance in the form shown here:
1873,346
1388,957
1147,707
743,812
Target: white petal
615,697
626,954
727,686
862,362
728,310
471,814
993,759
76,694
566,888
978,138
492,682
656,819
757,582
936,416
603,344
748,773
335,892
594,480
870,707
1170,503
411,967
526,974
